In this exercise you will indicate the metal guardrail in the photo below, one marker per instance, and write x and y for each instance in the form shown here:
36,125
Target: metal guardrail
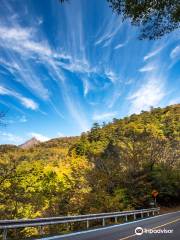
39,222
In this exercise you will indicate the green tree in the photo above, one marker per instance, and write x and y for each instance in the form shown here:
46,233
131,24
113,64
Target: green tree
155,18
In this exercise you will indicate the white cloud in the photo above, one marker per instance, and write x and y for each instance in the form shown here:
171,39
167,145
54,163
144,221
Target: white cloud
26,46
175,52
77,65
39,136
120,45
10,138
147,68
149,94
26,43
21,40
26,102
103,116
111,75
11,66
110,30
71,101
86,86
152,53
16,34
30,45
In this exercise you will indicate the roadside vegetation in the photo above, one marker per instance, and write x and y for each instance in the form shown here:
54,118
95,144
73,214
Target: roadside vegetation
112,167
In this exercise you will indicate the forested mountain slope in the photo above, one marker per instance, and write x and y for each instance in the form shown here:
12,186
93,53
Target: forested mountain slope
112,167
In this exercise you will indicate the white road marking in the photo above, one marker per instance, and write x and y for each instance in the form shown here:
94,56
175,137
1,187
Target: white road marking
104,228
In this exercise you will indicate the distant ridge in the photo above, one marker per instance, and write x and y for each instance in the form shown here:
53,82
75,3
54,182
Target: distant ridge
30,143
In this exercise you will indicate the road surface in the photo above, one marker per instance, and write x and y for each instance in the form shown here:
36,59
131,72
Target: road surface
167,222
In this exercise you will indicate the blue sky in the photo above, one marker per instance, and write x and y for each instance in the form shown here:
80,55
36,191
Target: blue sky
63,67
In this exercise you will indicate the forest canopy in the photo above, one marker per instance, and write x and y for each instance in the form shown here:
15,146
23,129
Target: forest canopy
127,159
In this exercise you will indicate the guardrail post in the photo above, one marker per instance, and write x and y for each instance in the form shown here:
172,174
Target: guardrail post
148,214
126,218
41,231
141,214
87,224
153,213
5,234
115,219
103,222
134,216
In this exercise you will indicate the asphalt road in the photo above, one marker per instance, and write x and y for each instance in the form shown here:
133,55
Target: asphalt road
169,222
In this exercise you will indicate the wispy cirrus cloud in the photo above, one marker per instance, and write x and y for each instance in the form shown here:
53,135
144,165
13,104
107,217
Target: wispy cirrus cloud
26,102
111,75
10,66
148,94
70,99
23,41
152,53
86,86
109,31
175,53
148,68
119,46
76,110
34,50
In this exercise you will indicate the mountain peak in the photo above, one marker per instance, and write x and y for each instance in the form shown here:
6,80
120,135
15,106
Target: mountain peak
30,143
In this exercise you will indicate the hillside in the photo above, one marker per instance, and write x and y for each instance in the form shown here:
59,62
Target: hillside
112,167
29,144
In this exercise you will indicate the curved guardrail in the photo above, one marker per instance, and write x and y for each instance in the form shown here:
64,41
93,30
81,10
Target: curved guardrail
39,222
